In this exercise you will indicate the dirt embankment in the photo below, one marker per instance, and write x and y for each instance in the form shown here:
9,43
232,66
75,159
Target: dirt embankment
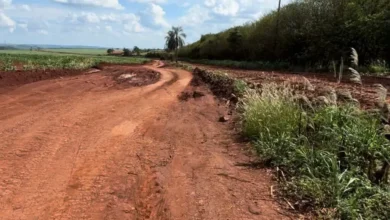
74,148
366,93
127,75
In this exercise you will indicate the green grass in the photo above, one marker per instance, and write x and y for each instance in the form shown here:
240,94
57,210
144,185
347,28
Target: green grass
329,157
21,52
29,60
247,65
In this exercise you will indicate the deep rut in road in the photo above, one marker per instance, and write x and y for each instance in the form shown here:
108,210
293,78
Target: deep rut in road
81,148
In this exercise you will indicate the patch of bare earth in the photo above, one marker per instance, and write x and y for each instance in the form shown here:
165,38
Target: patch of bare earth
366,93
79,147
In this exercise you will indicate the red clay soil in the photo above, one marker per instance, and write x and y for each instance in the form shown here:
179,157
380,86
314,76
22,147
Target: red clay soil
79,148
140,75
20,77
366,94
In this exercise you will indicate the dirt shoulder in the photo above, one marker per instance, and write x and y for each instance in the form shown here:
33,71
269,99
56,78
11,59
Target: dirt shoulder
80,147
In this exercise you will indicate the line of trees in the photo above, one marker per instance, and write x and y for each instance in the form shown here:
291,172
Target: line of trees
125,52
305,32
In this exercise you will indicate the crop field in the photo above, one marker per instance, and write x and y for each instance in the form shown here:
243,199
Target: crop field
31,60
78,51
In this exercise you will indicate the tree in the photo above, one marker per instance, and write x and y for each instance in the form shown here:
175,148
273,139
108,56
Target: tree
137,50
126,52
235,42
110,51
175,40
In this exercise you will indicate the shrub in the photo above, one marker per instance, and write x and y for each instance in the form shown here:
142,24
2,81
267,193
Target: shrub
110,51
127,52
378,68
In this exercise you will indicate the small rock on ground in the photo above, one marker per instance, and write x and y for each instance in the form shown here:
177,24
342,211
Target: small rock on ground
224,118
254,209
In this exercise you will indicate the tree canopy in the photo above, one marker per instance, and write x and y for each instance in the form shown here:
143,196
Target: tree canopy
175,39
307,32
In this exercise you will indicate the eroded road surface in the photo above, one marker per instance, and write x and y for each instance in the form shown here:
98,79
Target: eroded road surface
80,148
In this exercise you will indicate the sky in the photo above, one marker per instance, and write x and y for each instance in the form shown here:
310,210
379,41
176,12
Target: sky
121,23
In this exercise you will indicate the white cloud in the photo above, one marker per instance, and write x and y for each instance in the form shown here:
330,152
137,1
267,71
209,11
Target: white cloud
194,16
223,7
96,3
108,28
5,3
23,26
6,22
131,23
153,16
25,7
84,18
43,32
149,1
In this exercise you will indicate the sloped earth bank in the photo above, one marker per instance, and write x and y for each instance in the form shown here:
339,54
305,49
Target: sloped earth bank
366,93
82,147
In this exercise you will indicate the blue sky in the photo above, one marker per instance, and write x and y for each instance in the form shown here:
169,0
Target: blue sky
121,23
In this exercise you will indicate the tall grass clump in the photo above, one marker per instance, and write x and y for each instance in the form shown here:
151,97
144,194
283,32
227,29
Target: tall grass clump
334,159
271,118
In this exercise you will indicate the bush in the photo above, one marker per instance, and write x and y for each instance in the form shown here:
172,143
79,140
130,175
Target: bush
160,55
378,68
127,52
335,159
110,51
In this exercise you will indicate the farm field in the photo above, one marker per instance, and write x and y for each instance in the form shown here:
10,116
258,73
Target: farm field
42,60
79,51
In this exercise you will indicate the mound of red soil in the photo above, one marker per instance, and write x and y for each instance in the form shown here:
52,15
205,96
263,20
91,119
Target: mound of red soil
20,77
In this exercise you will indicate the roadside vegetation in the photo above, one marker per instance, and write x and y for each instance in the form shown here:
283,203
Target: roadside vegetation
331,158
310,34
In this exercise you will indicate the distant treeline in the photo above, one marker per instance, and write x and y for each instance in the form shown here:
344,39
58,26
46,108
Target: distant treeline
7,48
306,33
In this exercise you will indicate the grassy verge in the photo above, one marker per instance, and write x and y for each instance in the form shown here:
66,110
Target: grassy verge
10,62
330,160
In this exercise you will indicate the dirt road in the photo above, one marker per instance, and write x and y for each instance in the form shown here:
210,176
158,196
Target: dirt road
80,148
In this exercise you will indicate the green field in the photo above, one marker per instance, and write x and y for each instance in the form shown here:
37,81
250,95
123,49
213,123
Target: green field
11,60
80,51
21,52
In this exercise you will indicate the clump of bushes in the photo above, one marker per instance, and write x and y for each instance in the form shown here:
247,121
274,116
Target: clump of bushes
332,159
162,55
